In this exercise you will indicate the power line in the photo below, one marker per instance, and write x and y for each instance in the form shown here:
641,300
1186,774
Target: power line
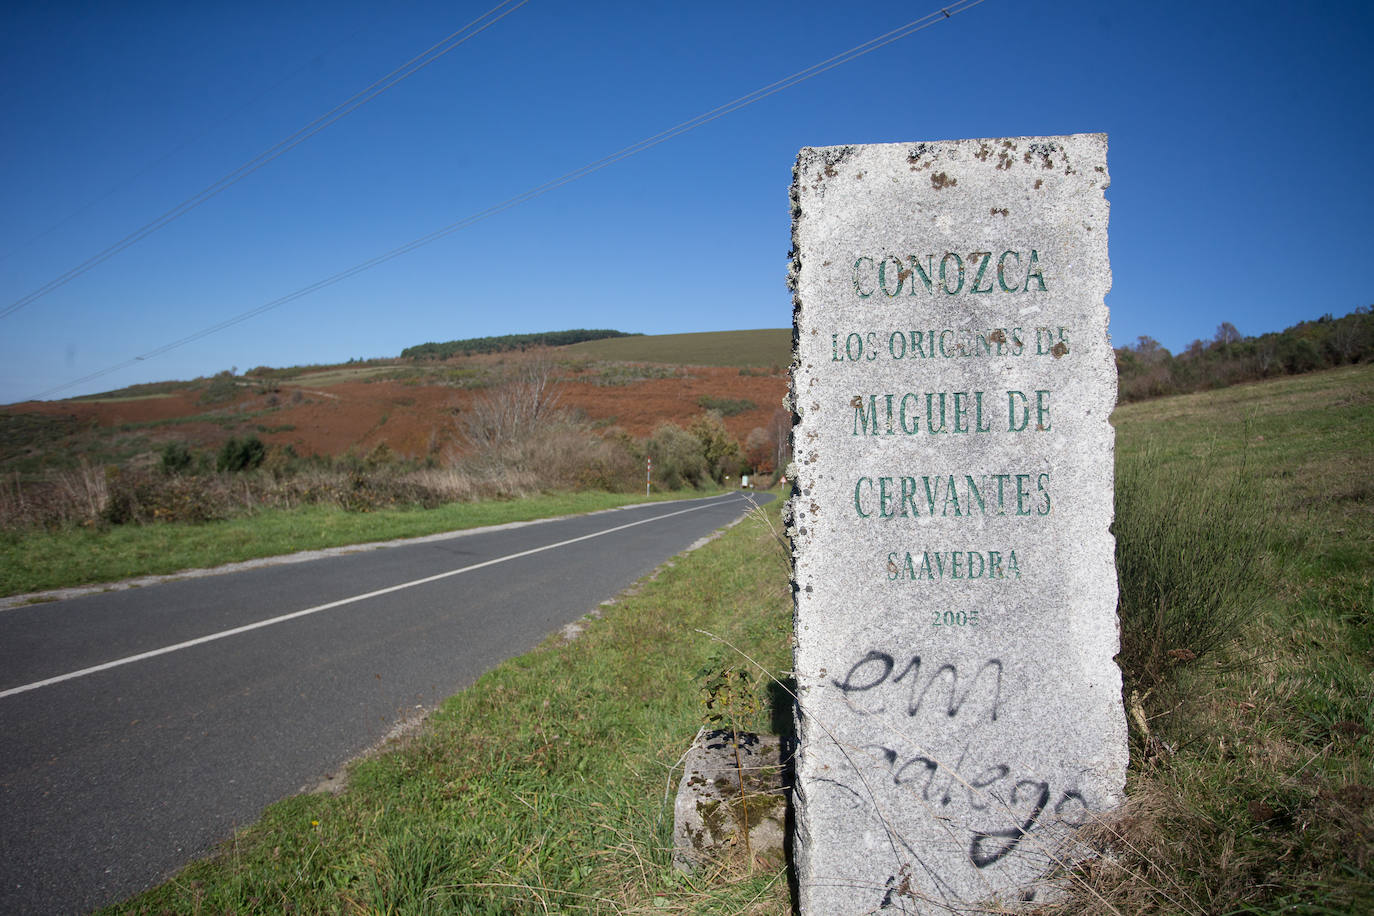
129,179
757,95
337,113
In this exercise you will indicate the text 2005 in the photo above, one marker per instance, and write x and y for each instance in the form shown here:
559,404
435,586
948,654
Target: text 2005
954,619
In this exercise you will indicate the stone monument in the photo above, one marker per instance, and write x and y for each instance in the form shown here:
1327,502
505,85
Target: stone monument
960,710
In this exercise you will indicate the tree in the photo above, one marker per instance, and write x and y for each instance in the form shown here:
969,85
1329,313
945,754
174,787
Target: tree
1149,350
1226,334
528,400
758,450
781,429
718,447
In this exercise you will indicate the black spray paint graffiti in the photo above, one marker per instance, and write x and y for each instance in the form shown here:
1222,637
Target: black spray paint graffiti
984,785
875,669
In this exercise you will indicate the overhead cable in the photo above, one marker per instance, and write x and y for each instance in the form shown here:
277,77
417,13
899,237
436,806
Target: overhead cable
340,111
800,76
129,179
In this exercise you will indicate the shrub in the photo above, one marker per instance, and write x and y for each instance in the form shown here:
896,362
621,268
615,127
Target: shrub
222,388
241,454
726,407
176,458
718,447
1188,554
678,458
759,449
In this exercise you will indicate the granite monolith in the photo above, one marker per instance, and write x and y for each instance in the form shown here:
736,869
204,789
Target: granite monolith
960,714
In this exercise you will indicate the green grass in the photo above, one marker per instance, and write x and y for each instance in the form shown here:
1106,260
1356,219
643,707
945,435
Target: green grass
1248,640
717,348
34,561
137,392
336,375
546,786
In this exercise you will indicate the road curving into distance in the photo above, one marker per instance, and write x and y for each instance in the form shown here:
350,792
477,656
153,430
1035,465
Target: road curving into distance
141,727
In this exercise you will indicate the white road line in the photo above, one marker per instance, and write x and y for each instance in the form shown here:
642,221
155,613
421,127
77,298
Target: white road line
224,634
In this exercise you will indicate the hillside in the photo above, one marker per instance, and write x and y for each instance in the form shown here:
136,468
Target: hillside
1246,669
413,407
771,349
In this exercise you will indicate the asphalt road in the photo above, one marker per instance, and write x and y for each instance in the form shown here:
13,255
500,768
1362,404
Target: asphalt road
230,692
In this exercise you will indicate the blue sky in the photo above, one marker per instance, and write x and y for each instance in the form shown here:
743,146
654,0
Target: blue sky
1240,152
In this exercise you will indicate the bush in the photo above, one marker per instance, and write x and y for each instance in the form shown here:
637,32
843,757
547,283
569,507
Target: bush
1188,554
718,447
678,458
222,388
726,407
241,454
176,458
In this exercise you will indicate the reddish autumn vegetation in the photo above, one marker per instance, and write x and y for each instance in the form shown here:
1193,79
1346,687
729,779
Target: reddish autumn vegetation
387,432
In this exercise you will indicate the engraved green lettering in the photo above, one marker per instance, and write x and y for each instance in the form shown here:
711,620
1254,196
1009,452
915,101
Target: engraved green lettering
1012,426
924,273
960,411
858,502
955,560
857,288
863,421
944,281
1022,494
952,496
930,494
1034,271
882,276
930,412
978,414
982,268
974,494
978,573
1001,271
1042,411
915,426
884,497
909,496
1001,495
1040,483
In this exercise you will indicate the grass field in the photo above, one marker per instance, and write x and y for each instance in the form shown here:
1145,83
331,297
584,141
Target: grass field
34,561
745,349
1252,792
546,787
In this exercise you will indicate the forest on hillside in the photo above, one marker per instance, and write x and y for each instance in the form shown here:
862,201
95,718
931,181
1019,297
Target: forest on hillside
1146,369
506,343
